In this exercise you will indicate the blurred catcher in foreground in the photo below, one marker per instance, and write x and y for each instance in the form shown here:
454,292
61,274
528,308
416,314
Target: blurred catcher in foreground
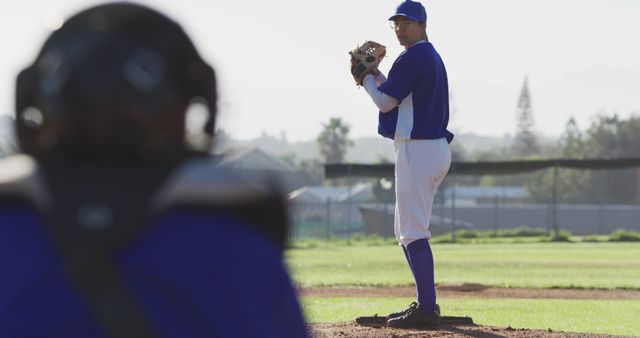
110,224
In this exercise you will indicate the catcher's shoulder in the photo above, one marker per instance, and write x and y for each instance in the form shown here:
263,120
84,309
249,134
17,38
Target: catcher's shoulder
16,168
253,195
198,181
21,179
205,181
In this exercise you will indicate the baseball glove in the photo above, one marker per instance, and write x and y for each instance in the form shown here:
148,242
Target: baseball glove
365,60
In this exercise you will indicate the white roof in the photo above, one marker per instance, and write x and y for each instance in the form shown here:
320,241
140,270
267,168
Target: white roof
469,191
253,158
358,192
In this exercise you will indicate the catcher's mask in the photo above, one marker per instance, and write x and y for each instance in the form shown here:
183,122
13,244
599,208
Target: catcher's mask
115,79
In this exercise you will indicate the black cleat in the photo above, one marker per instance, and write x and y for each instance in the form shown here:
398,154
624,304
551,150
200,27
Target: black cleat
401,313
414,318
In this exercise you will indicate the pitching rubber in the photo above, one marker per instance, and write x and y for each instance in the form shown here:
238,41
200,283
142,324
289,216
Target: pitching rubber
382,321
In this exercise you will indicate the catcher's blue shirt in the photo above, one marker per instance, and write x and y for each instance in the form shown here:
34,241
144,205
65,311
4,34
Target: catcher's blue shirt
189,278
418,80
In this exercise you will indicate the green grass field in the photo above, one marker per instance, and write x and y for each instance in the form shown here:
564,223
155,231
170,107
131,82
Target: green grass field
532,265
535,265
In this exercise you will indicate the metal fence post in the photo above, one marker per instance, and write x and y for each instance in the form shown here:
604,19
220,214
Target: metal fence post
350,204
601,218
292,222
495,214
453,210
328,218
554,200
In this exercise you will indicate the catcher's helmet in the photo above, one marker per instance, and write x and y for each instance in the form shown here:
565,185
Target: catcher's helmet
114,79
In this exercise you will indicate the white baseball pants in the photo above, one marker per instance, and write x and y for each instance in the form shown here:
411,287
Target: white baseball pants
420,167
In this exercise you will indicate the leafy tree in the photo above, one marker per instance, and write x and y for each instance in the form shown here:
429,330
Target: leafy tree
571,182
572,141
612,137
313,167
609,136
334,140
525,143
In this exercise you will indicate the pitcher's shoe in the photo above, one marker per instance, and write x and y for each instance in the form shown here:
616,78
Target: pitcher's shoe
414,318
400,313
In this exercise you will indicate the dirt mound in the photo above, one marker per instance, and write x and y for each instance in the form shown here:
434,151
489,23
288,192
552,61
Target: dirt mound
353,330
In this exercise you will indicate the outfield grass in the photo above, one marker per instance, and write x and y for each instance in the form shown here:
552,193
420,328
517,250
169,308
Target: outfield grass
619,317
535,265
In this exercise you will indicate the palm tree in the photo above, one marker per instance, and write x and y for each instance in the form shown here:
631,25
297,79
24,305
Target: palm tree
334,140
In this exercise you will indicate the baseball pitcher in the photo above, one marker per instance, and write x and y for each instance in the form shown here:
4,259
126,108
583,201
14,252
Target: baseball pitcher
414,113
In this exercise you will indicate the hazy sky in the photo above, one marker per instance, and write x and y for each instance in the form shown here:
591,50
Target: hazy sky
283,64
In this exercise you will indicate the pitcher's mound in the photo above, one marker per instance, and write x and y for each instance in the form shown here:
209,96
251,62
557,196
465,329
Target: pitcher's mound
354,330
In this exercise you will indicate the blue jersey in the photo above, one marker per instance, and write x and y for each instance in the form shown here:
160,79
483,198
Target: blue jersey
418,80
195,272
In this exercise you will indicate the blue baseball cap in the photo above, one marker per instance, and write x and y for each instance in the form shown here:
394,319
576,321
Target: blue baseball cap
411,10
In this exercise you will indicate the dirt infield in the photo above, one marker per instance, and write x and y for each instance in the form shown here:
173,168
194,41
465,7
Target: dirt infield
473,291
353,330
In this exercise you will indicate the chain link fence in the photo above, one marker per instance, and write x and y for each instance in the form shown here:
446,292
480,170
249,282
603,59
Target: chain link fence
583,197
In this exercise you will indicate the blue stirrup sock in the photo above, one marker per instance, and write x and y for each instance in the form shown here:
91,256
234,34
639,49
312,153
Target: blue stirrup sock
420,260
406,255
